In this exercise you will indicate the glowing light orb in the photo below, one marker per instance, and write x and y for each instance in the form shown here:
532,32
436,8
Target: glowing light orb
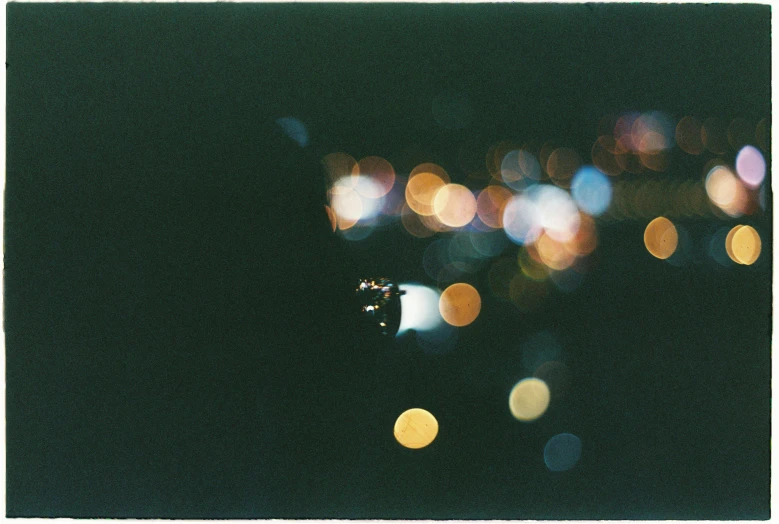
750,166
415,428
529,399
744,245
294,129
454,205
591,190
490,204
421,191
460,304
378,173
661,238
419,308
562,452
725,190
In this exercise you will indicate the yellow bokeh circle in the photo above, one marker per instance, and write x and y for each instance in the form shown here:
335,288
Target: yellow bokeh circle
416,428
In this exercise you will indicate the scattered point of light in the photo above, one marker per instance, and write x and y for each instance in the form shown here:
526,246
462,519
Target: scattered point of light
416,428
421,190
688,135
729,243
347,206
452,109
529,399
295,129
460,304
562,452
556,376
750,166
740,133
591,190
562,164
714,135
652,151
661,238
454,205
745,245
419,308
379,173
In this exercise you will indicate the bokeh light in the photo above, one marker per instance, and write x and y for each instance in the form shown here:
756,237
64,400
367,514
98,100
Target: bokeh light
339,165
379,173
562,164
415,428
591,190
603,155
743,245
419,308
460,304
726,191
490,204
529,399
661,238
519,168
423,183
295,129
750,166
688,135
562,452
454,205
553,253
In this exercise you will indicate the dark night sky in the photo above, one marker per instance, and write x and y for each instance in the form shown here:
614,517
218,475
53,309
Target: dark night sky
176,346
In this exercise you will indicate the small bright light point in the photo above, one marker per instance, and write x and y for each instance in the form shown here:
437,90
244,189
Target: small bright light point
460,304
295,129
419,308
591,190
745,245
661,238
415,428
529,399
750,166
454,205
562,452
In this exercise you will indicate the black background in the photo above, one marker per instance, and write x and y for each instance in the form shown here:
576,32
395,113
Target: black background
177,337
